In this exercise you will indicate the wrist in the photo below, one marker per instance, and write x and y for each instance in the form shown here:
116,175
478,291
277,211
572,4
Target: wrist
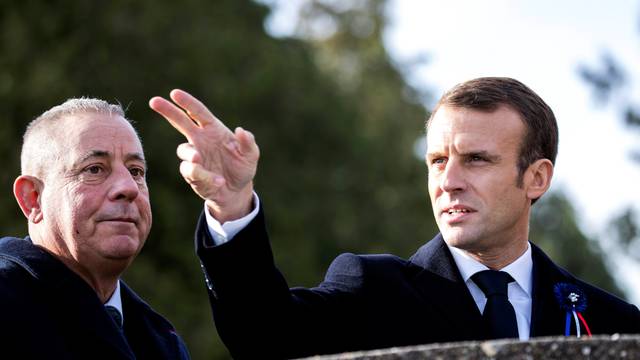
237,206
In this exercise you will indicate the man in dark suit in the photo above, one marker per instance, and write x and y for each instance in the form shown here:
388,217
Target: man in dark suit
84,193
491,148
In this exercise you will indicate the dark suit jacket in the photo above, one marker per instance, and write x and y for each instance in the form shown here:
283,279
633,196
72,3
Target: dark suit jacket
49,312
370,301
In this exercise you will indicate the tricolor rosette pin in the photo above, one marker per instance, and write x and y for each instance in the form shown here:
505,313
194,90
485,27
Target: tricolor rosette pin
572,300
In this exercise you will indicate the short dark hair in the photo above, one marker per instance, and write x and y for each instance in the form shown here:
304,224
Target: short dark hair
540,139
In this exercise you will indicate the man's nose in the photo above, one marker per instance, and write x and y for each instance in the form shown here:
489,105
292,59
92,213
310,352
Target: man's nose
124,186
453,178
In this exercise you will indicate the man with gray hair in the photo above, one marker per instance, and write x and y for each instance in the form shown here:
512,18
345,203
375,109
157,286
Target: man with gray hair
84,193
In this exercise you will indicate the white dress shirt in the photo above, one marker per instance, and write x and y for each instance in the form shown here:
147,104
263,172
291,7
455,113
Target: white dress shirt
221,233
519,291
116,301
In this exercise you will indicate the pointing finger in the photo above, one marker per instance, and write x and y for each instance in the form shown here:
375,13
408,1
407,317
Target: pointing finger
196,109
176,117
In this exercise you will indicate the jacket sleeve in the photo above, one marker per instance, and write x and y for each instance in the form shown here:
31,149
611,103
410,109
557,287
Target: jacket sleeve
258,316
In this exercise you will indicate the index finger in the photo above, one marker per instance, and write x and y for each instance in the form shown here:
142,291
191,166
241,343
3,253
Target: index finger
176,117
194,107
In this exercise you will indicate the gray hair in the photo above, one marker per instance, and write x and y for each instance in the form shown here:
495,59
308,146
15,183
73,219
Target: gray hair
39,142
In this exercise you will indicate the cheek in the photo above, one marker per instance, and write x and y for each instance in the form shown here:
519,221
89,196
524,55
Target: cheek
432,186
80,210
83,203
510,201
432,195
496,186
144,208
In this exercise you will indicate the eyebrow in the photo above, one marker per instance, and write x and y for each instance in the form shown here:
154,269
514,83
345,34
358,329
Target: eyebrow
484,154
105,154
481,153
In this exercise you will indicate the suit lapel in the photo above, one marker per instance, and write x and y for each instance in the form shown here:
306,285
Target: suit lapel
88,314
441,285
547,318
149,334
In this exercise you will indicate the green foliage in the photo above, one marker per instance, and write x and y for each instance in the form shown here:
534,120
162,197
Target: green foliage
337,172
555,229
611,83
626,232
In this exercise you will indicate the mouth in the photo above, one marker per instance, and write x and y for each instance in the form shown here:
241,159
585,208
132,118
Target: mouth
121,220
456,213
457,209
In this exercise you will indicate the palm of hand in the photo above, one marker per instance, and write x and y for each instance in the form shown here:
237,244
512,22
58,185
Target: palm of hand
217,163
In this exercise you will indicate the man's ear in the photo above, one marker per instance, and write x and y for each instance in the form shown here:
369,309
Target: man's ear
538,178
28,190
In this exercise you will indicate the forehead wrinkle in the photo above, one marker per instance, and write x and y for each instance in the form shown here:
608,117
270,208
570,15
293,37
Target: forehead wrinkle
134,156
90,155
94,154
464,131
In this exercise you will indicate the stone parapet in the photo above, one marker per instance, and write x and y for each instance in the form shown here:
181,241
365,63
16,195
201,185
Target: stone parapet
601,347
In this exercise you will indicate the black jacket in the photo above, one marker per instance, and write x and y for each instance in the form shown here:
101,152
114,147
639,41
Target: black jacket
370,301
49,312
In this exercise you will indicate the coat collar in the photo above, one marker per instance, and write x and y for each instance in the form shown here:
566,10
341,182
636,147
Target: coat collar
547,318
441,284
38,262
72,298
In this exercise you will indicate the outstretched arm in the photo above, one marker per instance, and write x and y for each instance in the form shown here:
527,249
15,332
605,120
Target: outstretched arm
218,164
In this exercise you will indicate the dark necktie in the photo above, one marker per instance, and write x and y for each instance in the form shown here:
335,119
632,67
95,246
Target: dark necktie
498,313
115,314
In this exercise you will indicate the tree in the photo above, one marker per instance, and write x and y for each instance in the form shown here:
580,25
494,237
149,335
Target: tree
610,83
337,172
348,43
554,228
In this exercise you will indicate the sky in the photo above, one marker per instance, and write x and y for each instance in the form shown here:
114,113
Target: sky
541,43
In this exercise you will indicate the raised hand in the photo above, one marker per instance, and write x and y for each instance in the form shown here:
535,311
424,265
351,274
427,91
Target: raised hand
217,163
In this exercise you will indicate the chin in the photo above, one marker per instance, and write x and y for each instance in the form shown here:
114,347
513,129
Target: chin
122,249
459,238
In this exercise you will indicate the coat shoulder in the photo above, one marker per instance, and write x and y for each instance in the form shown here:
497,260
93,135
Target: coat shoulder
605,312
356,271
608,314
616,307
12,266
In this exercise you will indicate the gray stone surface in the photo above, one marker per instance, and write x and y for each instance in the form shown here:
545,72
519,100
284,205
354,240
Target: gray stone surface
596,347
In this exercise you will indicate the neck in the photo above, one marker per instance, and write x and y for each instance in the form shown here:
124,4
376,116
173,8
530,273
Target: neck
103,283
104,287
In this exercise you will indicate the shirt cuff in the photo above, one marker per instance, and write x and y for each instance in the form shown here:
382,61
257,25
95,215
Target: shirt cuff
221,233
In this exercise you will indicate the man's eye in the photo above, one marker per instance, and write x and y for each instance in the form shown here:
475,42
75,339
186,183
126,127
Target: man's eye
438,161
94,169
137,172
476,158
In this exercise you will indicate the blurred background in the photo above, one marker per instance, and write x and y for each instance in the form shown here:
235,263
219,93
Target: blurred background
336,93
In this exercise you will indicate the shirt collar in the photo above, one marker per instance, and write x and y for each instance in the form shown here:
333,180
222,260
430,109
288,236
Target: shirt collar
520,270
115,300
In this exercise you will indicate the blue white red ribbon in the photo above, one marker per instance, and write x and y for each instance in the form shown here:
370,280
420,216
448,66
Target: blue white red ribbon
572,300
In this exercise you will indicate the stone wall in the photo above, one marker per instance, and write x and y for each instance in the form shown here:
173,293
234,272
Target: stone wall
596,347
